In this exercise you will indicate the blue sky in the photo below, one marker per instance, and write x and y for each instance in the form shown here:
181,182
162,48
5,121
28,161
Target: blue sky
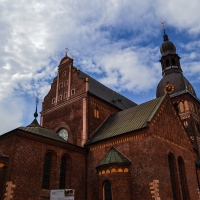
117,42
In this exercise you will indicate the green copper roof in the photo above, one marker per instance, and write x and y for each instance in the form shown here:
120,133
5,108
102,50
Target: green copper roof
35,128
127,120
113,156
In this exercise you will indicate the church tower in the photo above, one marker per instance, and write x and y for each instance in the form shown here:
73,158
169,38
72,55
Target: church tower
180,90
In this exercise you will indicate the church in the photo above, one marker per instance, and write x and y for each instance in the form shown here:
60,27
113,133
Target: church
102,145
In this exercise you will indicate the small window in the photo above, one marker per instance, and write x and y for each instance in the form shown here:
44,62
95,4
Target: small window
107,190
185,123
173,62
53,101
65,83
72,91
96,113
64,73
65,95
167,63
61,85
60,97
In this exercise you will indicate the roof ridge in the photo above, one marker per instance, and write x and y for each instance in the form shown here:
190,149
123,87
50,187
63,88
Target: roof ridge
156,106
128,120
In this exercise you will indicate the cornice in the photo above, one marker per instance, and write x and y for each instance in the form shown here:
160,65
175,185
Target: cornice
68,102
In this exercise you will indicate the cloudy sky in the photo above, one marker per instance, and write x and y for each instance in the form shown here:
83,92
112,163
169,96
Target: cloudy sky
114,41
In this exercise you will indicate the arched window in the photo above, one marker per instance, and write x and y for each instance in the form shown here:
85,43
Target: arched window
186,105
176,106
174,177
46,172
107,190
63,168
167,63
183,179
181,106
173,62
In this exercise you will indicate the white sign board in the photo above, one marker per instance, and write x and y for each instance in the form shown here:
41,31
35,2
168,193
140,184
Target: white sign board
66,194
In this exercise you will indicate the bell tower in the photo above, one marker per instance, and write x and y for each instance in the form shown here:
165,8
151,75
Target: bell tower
180,90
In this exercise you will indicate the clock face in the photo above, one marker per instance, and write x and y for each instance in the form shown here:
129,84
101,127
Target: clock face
63,133
169,88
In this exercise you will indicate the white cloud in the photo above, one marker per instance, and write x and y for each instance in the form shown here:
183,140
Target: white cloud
106,38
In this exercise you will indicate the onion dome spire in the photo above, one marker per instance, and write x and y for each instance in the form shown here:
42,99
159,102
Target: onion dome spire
167,46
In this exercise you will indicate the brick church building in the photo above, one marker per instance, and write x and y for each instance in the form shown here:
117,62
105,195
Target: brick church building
103,145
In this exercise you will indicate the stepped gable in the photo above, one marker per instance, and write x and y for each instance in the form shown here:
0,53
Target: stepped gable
106,93
126,121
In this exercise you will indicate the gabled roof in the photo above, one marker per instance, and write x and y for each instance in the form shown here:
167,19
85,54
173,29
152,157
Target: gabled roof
35,128
106,93
113,156
126,121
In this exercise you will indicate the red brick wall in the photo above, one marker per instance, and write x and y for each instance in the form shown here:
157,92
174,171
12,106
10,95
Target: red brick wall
26,169
148,152
71,115
105,110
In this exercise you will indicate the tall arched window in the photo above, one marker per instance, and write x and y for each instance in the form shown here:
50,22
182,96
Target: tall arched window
183,179
63,168
167,63
46,172
174,177
181,106
107,191
173,62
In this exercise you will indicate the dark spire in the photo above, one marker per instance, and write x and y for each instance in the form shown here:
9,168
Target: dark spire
35,122
165,36
36,102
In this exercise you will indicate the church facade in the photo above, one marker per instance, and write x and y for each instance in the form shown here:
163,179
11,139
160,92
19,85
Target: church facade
104,146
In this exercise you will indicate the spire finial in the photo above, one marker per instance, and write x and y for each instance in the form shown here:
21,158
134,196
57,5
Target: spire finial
36,102
163,26
66,51
165,36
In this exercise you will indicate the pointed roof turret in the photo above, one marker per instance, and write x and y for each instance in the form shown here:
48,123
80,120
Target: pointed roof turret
35,122
112,157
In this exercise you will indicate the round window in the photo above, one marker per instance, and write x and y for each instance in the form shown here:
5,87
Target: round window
63,133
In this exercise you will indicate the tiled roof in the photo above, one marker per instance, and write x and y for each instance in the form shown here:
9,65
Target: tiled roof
113,156
106,93
127,120
35,128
